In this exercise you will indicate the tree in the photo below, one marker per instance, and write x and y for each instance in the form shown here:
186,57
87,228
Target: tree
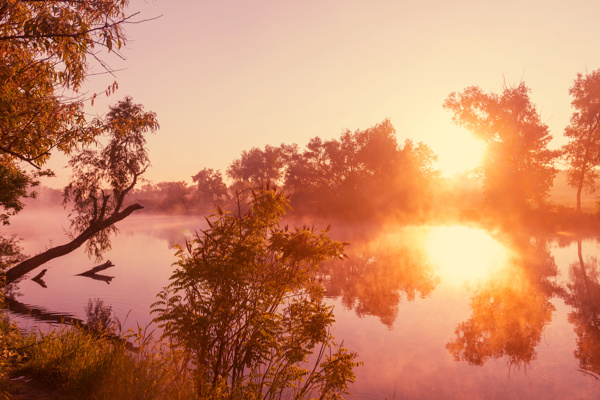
211,188
583,150
256,167
177,196
101,181
518,167
360,174
45,47
245,304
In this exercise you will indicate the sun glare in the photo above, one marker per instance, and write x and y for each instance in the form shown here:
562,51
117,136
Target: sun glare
463,254
458,152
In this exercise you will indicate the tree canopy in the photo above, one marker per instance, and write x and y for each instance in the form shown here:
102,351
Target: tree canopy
363,173
582,153
518,167
45,52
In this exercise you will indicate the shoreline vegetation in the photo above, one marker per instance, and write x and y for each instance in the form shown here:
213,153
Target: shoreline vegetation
281,324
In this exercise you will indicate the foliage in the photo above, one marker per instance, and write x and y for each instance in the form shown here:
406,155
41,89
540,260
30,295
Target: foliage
582,153
10,252
211,188
99,317
11,340
256,167
117,166
244,304
85,365
518,168
44,52
360,174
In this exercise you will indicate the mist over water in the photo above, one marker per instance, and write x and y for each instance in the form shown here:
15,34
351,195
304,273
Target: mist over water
415,329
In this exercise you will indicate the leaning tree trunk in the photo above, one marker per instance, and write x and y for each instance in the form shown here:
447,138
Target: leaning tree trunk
32,263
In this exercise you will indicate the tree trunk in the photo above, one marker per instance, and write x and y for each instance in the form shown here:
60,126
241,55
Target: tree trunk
579,188
32,263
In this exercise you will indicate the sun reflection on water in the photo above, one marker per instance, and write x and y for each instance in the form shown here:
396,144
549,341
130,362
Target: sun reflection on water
464,254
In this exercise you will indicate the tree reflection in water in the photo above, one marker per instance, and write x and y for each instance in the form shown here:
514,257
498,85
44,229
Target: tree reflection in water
378,273
583,294
510,310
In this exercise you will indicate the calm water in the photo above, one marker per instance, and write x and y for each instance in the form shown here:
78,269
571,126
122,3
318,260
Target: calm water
434,312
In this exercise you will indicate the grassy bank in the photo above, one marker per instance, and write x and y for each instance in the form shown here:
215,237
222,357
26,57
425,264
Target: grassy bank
73,363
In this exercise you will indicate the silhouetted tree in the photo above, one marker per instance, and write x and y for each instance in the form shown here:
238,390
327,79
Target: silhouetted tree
518,167
211,188
101,180
583,150
359,174
175,196
257,167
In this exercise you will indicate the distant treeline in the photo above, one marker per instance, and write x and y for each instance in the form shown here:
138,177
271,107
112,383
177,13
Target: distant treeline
360,175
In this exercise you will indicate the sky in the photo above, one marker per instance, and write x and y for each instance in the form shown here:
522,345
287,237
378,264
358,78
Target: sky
225,76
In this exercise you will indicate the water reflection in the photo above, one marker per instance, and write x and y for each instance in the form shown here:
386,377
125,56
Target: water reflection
464,254
379,273
408,263
511,286
509,310
583,294
519,314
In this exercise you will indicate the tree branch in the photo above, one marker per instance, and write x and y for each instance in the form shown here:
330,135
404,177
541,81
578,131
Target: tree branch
32,263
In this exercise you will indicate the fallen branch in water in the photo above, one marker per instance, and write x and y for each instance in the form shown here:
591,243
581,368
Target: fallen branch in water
38,279
98,268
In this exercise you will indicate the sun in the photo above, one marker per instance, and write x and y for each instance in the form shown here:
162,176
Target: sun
458,151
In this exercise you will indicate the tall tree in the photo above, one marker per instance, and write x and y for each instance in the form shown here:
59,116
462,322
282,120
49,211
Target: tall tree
583,150
45,52
518,167
101,181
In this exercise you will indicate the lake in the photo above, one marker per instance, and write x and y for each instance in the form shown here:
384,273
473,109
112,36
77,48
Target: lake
434,312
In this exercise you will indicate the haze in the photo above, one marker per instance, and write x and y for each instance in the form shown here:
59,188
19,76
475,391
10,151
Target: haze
227,76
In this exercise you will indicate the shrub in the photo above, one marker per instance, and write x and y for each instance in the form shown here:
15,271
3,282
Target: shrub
244,305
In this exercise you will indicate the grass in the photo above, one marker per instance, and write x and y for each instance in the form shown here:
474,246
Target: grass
79,363
86,365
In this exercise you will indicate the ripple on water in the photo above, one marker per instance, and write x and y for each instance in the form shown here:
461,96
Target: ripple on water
567,375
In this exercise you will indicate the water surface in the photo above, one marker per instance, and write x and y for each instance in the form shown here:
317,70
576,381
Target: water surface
447,312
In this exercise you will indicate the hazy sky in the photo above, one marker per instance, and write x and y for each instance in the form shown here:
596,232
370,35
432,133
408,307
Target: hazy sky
225,76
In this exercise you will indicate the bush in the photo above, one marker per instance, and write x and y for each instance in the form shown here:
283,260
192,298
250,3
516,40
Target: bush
244,305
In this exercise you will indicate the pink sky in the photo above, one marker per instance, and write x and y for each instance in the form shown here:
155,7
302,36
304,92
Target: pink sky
225,76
